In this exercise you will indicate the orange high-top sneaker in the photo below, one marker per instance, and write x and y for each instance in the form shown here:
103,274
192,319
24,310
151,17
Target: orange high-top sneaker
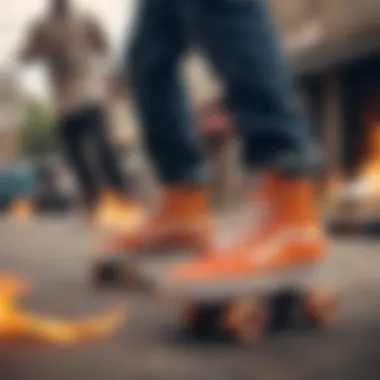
183,221
287,238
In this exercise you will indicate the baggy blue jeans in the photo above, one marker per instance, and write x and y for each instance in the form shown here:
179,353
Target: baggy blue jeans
240,42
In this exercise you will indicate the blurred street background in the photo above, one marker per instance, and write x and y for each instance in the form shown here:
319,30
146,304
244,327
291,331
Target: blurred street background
333,48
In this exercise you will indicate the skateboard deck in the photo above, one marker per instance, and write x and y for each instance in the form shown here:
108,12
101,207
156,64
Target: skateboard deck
136,269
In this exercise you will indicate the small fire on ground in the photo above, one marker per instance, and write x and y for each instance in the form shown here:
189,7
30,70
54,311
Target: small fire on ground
114,212
16,323
21,209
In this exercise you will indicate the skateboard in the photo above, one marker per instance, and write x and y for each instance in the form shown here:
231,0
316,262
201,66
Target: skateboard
134,269
246,312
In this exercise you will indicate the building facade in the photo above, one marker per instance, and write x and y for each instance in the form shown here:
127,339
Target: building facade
334,47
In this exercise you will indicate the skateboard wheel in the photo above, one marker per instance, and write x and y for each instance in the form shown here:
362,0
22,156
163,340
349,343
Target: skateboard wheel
106,273
322,308
203,320
245,320
287,310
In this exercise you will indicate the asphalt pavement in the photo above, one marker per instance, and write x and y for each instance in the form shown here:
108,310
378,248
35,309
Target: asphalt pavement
55,254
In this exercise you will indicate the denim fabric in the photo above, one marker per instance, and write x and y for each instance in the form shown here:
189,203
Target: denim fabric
240,41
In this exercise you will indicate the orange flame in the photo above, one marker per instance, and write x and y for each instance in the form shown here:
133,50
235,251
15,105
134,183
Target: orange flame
18,324
371,164
113,212
369,171
21,209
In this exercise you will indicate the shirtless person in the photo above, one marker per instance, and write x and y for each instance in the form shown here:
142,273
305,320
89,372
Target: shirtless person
72,46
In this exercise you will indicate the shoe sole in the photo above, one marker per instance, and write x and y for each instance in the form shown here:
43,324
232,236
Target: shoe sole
304,277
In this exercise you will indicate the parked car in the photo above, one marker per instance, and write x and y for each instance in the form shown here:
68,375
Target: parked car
41,184
16,180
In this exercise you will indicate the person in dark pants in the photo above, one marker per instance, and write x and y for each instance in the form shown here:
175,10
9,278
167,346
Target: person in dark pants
240,41
83,133
71,44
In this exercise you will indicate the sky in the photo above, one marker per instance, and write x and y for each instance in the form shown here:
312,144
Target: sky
16,15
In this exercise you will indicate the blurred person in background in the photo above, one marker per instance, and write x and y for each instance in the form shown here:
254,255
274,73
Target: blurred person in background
240,41
73,46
